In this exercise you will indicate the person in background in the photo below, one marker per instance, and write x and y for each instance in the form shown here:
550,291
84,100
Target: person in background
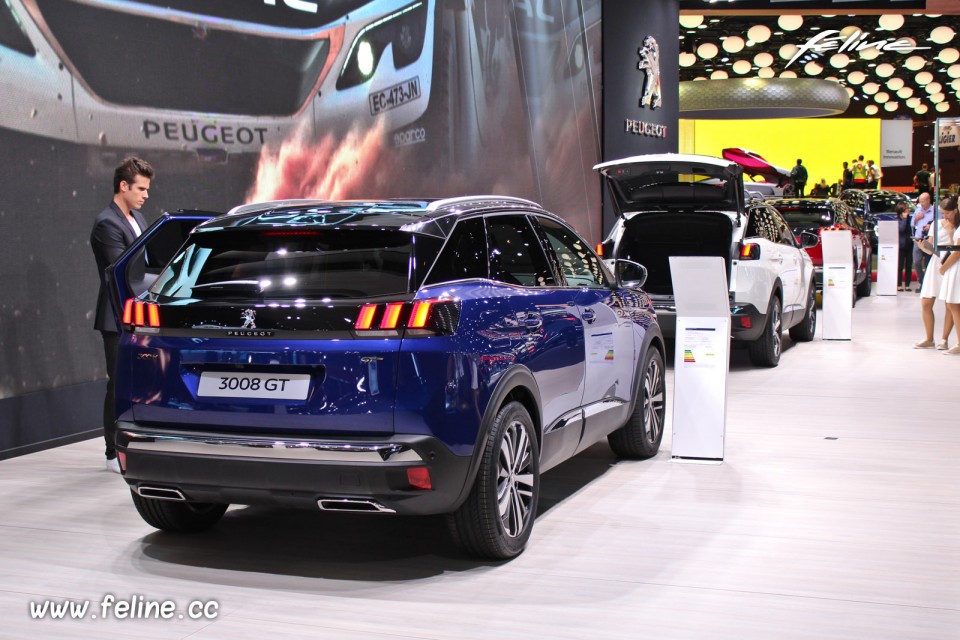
933,279
905,254
922,220
820,189
799,176
859,170
846,181
115,229
923,180
950,270
873,175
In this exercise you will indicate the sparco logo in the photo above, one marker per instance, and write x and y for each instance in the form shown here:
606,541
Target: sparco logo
299,5
650,64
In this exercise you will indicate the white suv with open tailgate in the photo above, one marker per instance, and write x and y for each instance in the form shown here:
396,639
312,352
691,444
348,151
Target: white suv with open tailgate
690,205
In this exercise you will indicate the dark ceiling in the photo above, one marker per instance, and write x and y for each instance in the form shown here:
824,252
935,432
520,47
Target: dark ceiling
944,69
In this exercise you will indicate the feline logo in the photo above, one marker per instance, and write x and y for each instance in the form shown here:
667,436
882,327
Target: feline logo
299,5
650,64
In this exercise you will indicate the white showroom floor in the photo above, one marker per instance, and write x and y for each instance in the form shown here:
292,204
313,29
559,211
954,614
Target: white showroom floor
835,515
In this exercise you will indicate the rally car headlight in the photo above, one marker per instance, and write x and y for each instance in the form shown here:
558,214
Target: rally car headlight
403,29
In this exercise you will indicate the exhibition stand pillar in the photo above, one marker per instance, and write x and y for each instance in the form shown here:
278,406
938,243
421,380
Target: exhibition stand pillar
888,257
838,274
702,358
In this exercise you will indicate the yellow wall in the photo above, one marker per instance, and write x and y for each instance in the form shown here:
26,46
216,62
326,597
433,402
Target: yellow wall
823,144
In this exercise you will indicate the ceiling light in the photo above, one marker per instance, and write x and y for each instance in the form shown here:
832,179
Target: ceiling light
763,59
913,103
761,33
885,70
856,77
942,35
699,78
914,63
869,54
882,97
871,88
719,74
839,60
937,97
848,31
891,22
943,106
687,59
905,92
955,84
787,51
733,44
895,83
871,109
921,109
954,71
742,67
812,68
948,56
691,21
850,92
766,72
891,106
707,50
933,87
789,73
790,22
923,77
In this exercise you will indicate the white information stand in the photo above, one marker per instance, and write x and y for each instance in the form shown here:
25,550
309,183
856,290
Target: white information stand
837,284
887,257
702,359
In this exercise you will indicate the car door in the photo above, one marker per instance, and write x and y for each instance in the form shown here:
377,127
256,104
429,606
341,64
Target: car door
608,333
553,348
791,267
137,267
758,272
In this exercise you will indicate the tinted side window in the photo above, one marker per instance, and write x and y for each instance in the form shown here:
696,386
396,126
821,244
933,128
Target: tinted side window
516,256
11,32
784,233
578,265
464,255
762,225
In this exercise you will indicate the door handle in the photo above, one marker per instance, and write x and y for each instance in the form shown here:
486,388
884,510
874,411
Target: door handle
532,321
589,315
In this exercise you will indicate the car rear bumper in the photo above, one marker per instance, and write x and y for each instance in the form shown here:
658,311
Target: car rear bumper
338,474
746,321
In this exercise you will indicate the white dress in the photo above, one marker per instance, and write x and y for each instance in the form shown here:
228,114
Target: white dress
930,287
950,287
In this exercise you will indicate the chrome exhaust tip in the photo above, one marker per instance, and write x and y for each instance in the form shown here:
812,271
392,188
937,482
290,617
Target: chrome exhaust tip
353,505
160,493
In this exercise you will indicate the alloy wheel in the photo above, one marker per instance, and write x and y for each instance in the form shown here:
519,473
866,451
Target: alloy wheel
515,479
653,402
775,326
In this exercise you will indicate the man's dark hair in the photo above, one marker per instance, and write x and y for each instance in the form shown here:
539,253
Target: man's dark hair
949,203
924,167
128,170
860,158
844,165
799,161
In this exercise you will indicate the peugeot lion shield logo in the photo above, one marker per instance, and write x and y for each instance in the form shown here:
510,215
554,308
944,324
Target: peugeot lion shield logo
248,316
650,64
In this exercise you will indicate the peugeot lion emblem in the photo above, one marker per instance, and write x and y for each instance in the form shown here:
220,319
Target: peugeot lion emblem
248,316
650,64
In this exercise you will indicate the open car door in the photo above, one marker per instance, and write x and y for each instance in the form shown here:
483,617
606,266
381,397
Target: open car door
138,267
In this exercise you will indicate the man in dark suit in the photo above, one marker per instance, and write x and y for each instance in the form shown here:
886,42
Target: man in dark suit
115,229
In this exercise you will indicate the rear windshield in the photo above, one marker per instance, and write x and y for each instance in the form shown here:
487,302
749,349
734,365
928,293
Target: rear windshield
884,204
665,184
292,264
805,218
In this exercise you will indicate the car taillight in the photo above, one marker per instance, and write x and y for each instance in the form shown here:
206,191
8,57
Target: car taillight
422,317
750,252
599,249
138,313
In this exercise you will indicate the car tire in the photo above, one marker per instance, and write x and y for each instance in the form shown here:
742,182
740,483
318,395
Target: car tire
640,437
807,328
497,517
865,287
765,350
178,517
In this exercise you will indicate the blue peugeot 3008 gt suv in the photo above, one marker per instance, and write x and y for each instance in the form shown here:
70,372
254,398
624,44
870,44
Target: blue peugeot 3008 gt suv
410,357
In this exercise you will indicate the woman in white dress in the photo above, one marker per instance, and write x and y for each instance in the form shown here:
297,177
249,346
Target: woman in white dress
930,288
950,270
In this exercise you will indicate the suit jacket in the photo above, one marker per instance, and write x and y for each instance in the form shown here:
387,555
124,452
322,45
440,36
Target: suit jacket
111,236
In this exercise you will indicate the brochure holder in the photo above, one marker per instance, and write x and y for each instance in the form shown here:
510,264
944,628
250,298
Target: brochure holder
838,277
702,358
888,232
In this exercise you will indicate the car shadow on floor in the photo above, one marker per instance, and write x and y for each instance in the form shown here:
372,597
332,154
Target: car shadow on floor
355,547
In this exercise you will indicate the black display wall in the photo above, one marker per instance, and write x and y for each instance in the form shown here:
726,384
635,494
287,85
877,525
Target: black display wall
454,97
640,106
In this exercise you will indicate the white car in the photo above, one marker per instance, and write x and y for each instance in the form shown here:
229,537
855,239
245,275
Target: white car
213,78
689,205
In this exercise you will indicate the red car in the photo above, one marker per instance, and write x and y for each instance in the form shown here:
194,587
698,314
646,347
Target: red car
817,214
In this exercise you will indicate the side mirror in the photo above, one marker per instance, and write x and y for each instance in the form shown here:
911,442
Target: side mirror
809,239
630,274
